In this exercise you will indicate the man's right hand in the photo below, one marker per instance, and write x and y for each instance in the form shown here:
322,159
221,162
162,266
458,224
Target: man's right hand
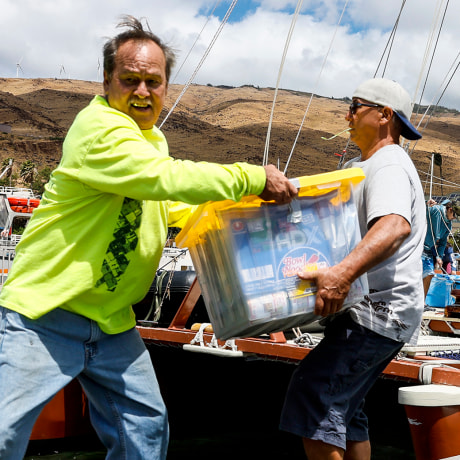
278,188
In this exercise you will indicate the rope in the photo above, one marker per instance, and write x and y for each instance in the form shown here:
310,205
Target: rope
430,223
431,61
229,344
280,71
315,87
187,85
390,40
154,301
199,336
428,45
439,99
445,183
156,304
425,58
196,40
305,339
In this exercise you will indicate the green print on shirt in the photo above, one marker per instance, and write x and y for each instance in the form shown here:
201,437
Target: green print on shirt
124,241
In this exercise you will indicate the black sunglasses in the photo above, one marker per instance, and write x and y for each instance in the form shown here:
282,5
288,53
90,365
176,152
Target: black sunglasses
354,106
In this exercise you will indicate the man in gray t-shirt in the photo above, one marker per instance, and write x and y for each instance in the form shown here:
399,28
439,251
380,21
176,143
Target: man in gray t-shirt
324,402
392,189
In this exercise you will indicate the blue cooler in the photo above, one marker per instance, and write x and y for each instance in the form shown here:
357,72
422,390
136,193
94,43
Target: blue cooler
439,293
456,281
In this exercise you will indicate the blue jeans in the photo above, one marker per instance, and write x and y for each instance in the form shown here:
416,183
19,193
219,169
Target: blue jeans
40,357
428,265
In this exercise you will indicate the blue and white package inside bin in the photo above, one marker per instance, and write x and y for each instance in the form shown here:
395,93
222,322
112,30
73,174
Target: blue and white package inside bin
247,255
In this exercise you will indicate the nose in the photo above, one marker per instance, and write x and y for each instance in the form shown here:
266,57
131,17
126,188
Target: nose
349,115
142,90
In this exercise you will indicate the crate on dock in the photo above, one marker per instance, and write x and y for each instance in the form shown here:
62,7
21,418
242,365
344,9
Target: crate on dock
247,254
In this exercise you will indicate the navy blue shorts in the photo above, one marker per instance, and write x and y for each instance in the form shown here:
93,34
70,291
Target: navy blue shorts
325,397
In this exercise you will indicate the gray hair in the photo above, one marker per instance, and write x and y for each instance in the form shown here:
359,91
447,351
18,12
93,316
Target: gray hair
135,31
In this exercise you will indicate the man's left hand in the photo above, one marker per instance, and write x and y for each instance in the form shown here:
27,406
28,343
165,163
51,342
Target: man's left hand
332,289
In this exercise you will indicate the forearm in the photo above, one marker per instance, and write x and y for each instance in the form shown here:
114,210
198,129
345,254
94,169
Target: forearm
381,241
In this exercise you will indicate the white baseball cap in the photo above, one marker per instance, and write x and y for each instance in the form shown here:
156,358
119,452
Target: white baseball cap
388,93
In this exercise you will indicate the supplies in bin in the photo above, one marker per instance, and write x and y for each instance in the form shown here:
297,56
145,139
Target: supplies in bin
247,255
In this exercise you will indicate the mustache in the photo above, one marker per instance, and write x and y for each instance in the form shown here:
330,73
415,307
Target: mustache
335,135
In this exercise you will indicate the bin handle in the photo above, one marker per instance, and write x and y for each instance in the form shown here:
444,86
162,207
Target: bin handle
295,214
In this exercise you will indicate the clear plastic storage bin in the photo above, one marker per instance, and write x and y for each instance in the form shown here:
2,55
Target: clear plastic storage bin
247,254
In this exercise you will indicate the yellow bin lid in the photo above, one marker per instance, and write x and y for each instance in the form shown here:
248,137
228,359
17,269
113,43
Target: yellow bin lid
204,218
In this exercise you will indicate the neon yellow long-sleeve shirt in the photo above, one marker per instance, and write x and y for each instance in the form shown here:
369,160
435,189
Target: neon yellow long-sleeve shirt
93,245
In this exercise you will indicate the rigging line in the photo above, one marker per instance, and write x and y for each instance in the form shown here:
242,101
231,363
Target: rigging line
390,40
280,71
431,61
439,99
438,227
316,84
389,43
428,47
440,178
440,86
442,215
445,182
427,182
219,30
196,40
437,103
389,51
430,226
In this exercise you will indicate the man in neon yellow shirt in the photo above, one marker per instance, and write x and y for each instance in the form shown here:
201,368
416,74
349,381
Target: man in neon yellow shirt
91,249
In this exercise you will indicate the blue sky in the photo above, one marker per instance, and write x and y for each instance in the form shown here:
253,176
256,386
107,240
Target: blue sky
241,10
63,39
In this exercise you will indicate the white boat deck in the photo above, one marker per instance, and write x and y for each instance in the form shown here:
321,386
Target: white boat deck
433,345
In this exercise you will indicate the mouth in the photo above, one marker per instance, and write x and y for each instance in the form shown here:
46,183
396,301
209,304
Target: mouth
141,105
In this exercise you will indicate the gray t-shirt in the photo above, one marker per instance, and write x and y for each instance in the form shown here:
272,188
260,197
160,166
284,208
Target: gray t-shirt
395,304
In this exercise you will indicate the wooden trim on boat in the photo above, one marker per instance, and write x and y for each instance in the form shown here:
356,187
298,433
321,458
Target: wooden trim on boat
277,347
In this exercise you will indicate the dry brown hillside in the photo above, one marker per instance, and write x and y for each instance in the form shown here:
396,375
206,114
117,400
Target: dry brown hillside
213,123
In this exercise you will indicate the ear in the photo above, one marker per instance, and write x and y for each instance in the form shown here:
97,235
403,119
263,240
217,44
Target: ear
387,113
106,83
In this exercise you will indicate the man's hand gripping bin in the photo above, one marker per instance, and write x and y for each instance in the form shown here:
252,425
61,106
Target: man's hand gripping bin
247,254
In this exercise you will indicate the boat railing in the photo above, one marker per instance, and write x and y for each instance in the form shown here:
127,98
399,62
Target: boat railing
7,253
17,191
14,239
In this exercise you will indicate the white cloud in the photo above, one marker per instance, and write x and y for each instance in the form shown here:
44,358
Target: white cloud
44,36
